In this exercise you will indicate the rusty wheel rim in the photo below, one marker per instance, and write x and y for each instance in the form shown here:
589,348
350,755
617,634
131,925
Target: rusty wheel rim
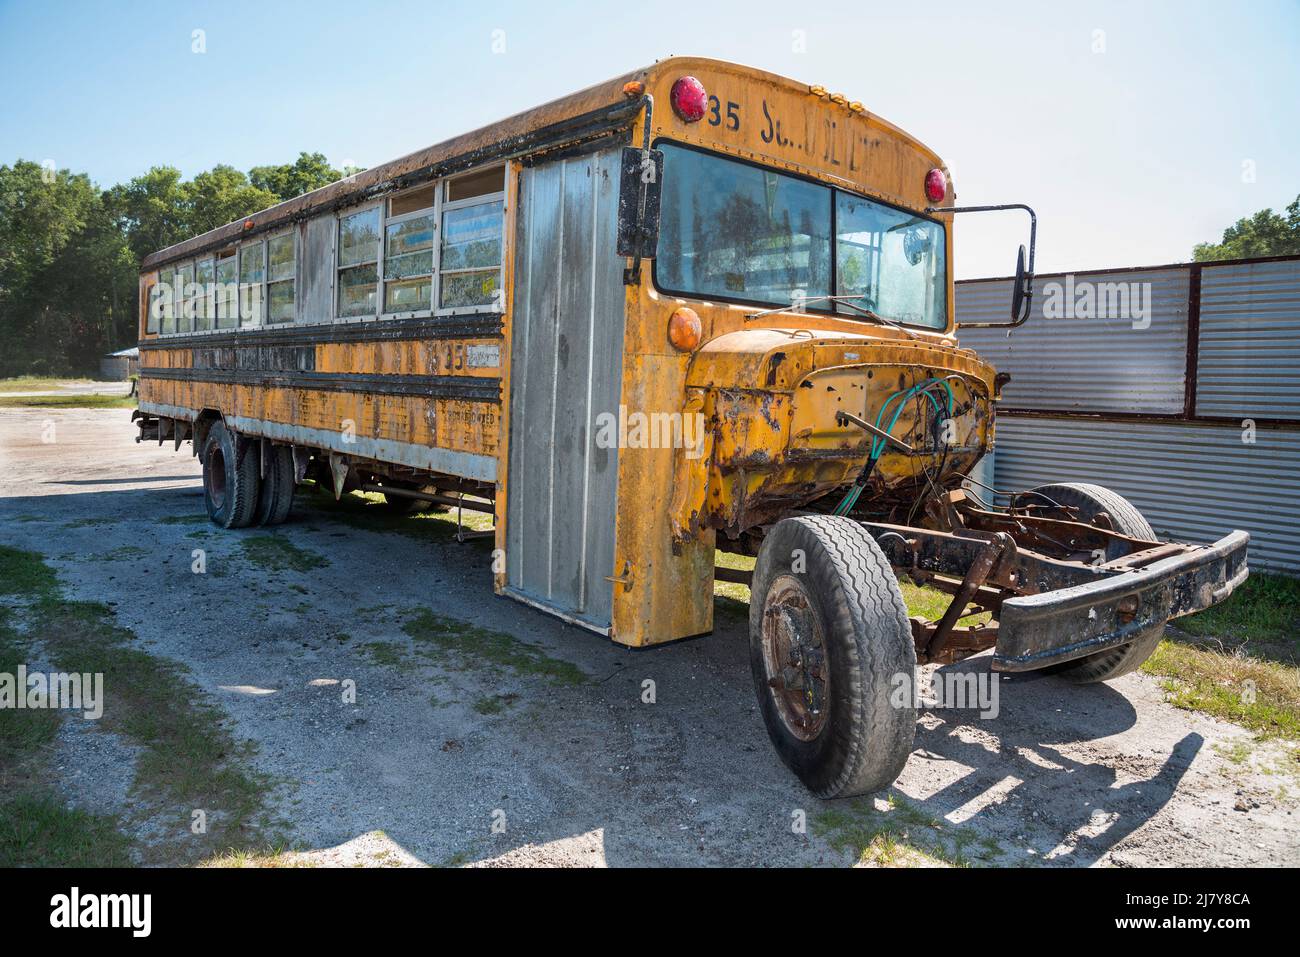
794,655
216,477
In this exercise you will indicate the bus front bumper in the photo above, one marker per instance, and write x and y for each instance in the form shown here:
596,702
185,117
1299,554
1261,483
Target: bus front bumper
1036,631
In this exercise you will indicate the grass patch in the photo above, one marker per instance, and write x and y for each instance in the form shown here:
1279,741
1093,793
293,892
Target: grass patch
197,518
67,402
276,553
92,521
38,383
900,836
24,733
495,704
188,760
37,830
366,510
450,641
387,653
123,553
1263,613
1261,696
731,600
25,574
271,857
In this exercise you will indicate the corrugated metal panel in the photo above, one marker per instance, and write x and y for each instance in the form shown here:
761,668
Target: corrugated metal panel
1192,482
1087,365
567,345
1250,341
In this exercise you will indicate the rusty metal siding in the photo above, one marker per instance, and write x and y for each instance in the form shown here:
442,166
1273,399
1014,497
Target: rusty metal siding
1249,361
1095,365
567,337
315,291
1192,482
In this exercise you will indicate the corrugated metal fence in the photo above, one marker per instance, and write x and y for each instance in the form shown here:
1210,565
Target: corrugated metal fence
1176,386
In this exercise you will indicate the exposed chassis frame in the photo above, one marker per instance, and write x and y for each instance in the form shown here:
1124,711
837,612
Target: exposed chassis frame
1052,595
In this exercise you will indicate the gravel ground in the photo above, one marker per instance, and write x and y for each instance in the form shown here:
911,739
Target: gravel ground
458,760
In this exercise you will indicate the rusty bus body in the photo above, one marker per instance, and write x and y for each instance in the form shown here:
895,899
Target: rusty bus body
555,369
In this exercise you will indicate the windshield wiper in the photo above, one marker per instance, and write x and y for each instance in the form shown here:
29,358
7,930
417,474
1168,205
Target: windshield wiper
862,310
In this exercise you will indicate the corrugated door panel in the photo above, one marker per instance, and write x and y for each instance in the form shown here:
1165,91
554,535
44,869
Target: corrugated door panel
1084,365
1249,364
567,368
1192,482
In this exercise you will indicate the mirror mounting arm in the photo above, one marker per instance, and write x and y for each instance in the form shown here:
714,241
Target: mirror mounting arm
1024,293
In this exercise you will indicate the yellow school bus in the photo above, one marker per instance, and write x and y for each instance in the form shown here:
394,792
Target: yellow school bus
699,307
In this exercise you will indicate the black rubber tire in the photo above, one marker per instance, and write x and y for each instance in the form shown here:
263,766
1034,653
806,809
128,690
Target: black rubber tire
1090,500
275,497
230,477
866,739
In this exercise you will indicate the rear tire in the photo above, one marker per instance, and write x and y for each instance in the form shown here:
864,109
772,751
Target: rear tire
275,497
1091,500
829,640
230,477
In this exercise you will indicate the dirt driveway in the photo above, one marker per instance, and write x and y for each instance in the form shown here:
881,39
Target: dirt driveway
483,732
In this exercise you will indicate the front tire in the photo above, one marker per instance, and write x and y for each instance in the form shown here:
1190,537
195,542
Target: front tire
829,643
1090,501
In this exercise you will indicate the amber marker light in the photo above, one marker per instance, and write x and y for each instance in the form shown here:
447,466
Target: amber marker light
684,329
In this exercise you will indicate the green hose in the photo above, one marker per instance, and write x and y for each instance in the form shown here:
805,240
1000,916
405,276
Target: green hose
878,444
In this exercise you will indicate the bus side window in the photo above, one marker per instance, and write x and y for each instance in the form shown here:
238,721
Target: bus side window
205,275
252,274
155,307
408,251
227,314
358,263
473,223
280,277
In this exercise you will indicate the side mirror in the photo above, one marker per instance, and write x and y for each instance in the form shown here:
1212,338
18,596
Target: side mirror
1022,291
640,187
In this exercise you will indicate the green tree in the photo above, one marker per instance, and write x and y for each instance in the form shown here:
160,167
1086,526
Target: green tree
308,172
220,196
70,253
53,232
151,210
1265,234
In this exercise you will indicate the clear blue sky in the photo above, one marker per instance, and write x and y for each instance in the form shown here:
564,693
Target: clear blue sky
1130,155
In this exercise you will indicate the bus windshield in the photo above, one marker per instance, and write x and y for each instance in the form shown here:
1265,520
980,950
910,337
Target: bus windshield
734,231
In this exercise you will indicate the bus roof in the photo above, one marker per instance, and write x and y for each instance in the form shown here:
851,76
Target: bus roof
587,114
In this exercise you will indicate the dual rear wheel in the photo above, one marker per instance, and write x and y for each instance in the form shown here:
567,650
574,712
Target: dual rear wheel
235,490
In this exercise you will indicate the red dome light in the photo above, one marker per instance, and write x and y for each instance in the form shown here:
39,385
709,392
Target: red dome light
936,185
689,99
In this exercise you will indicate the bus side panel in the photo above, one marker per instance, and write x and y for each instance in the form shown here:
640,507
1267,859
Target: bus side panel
566,377
405,398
